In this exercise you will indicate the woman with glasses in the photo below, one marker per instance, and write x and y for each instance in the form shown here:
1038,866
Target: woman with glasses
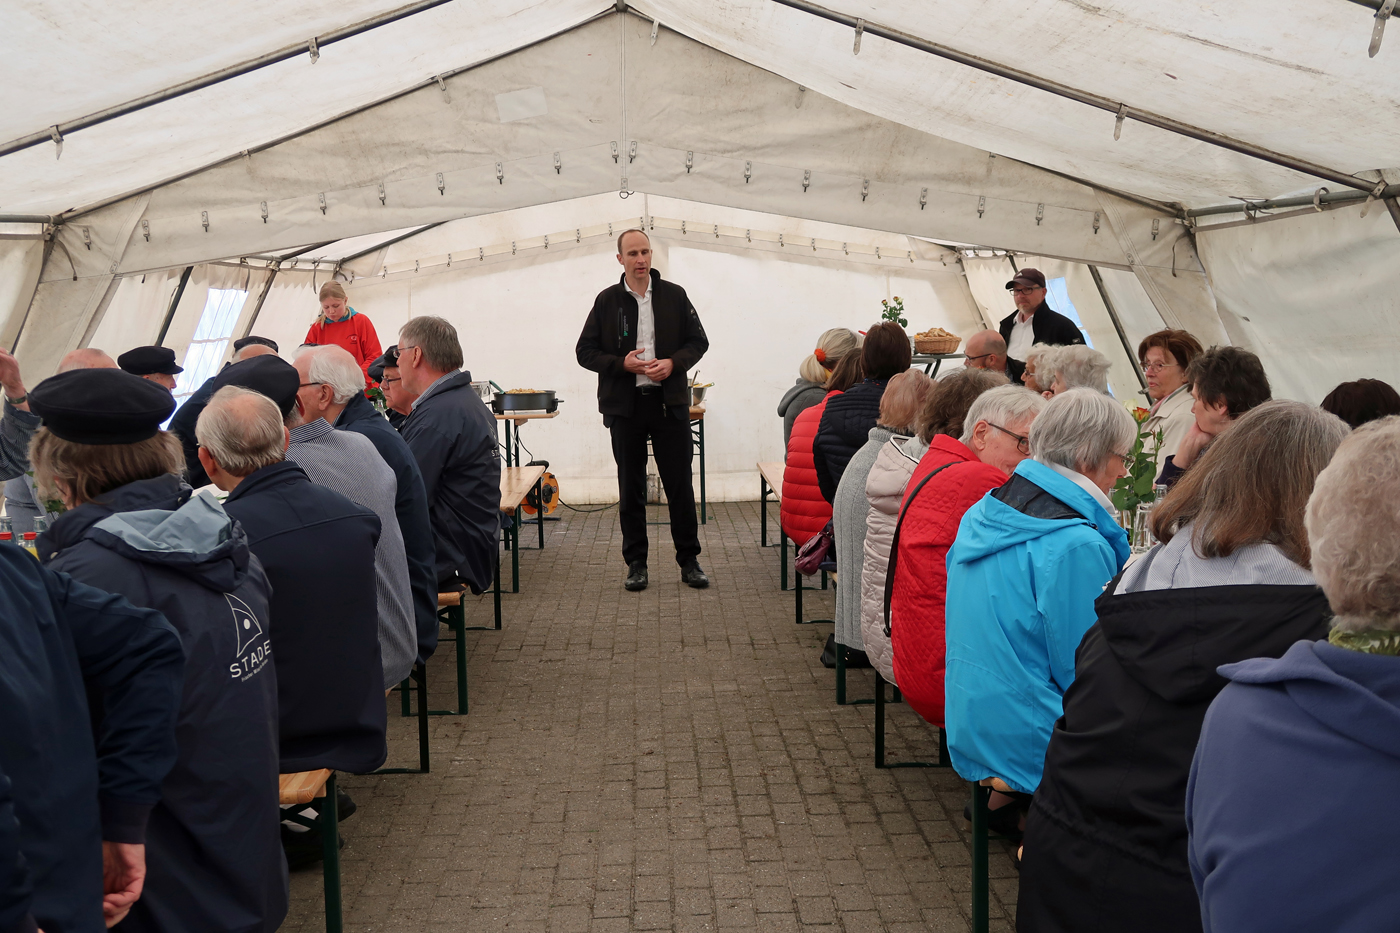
1029,561
1164,357
975,429
1106,840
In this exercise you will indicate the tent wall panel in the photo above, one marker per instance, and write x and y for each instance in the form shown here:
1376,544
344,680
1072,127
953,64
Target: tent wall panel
1317,296
20,264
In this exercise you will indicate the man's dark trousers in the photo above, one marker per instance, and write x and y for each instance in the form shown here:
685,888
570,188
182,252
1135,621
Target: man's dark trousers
672,446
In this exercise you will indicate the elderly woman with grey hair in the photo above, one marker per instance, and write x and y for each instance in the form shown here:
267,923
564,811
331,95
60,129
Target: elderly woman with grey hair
1029,561
1290,824
899,409
1229,582
1076,367
1039,368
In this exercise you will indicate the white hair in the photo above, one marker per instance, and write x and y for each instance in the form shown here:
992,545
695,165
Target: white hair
1079,366
1002,406
335,367
1353,526
1080,428
1040,354
242,430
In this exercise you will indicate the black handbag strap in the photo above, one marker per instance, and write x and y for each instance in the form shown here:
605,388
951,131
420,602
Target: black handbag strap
894,542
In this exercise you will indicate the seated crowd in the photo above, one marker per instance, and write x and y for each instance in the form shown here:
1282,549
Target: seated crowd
172,651
1178,736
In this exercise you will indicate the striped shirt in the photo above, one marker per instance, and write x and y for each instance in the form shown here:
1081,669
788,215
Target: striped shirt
347,463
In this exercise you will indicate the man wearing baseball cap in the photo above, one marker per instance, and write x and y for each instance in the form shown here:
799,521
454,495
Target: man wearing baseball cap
154,363
1032,322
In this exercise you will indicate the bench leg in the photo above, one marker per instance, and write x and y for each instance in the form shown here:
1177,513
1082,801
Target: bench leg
330,841
515,554
462,661
496,592
406,707
980,883
782,561
539,512
762,511
840,674
880,701
879,720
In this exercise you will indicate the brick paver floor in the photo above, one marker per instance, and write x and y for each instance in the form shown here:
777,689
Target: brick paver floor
669,760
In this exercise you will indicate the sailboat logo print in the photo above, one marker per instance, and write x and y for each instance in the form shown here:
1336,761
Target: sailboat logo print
247,625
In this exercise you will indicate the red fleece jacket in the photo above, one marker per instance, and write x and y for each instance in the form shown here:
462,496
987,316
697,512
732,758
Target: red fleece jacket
355,333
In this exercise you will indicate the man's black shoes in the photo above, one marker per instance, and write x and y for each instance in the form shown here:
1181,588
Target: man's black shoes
636,576
692,575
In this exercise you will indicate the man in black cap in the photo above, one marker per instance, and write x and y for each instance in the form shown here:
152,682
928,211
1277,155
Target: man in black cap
133,528
398,401
1032,322
183,424
154,363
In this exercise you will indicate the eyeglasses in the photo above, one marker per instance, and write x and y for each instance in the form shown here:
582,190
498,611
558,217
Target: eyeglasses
385,382
1024,291
1127,459
1157,367
305,384
1023,444
969,359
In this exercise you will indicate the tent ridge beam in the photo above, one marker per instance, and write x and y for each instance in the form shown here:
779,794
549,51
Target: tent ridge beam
217,77
1087,98
1303,200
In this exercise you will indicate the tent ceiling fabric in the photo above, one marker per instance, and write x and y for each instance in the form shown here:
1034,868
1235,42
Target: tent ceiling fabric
542,125
1291,75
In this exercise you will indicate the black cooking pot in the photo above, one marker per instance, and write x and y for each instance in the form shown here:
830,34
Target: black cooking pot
524,401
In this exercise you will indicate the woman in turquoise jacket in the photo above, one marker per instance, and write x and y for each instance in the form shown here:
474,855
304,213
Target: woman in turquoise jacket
1029,561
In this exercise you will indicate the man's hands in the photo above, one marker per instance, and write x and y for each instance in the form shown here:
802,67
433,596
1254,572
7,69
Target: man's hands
656,370
123,875
10,380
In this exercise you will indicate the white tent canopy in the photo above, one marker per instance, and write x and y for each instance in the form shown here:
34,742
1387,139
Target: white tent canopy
956,121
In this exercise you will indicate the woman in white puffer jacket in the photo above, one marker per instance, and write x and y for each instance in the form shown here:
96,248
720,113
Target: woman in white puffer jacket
943,413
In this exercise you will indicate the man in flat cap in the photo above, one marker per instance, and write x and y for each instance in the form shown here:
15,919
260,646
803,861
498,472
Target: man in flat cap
154,363
133,528
1032,322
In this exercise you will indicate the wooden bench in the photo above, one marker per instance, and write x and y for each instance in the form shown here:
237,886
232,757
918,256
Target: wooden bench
770,479
302,788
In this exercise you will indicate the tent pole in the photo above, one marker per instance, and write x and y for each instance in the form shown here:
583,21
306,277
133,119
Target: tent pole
262,296
1119,109
1394,207
253,64
1304,200
174,303
1117,325
389,242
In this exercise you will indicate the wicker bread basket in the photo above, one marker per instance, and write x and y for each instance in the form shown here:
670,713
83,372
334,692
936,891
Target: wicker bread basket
936,345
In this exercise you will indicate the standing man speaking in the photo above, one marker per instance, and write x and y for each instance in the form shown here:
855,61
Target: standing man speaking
640,338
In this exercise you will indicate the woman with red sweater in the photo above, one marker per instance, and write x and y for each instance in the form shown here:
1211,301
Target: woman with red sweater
803,512
343,326
992,442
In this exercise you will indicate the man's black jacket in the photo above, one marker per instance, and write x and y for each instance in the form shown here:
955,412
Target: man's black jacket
318,550
1048,326
453,438
71,786
610,333
182,426
411,509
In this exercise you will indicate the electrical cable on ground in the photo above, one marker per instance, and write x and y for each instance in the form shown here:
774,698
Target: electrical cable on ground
566,505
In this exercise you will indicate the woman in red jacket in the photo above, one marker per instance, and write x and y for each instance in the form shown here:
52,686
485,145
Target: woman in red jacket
803,512
993,431
343,326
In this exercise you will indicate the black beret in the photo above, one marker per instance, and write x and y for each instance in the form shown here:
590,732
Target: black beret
101,406
390,358
249,341
142,361
270,375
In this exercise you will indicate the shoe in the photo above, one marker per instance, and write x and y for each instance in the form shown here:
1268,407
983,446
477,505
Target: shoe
303,849
344,806
828,658
692,575
636,576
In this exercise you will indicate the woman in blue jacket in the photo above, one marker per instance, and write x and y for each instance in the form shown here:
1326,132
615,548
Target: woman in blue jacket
1293,750
213,846
1029,561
